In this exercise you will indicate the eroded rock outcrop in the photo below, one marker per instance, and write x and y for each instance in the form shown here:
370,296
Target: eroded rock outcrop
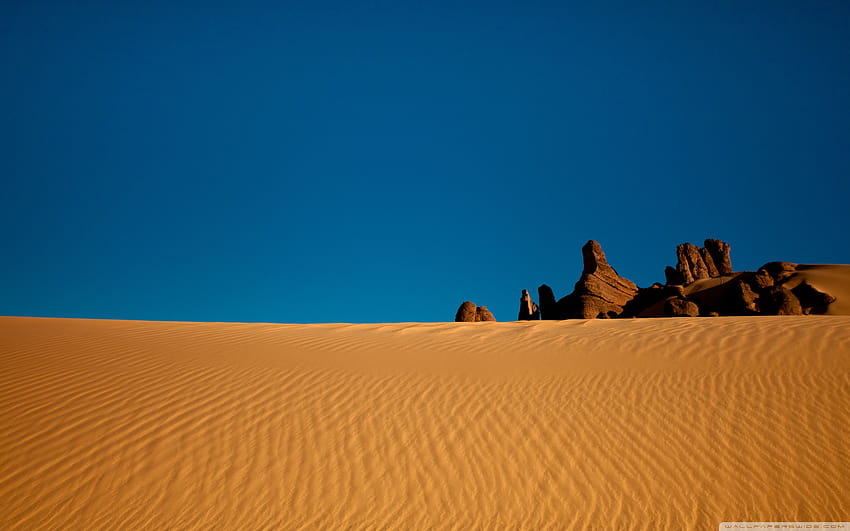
528,310
719,252
777,288
548,304
690,263
699,263
774,290
600,292
468,312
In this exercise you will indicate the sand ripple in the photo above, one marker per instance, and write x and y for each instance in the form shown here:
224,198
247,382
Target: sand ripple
644,424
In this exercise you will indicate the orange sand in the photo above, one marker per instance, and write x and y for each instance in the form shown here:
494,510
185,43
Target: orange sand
643,424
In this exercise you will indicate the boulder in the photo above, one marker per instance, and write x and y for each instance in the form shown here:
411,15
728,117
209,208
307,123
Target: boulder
528,311
778,300
761,280
741,299
681,308
483,314
548,309
719,252
812,300
466,313
779,271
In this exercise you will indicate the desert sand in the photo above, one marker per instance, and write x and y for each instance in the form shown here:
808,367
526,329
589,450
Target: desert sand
600,424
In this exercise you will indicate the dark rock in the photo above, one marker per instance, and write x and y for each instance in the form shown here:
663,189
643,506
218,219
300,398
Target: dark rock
761,280
548,309
650,296
779,271
709,263
592,307
466,313
719,251
528,311
777,300
483,314
690,263
698,263
600,291
674,277
812,300
741,299
681,308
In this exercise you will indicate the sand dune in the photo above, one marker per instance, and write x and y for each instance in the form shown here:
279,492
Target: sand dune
642,424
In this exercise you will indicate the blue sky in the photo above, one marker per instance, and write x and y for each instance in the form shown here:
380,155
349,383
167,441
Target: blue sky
385,161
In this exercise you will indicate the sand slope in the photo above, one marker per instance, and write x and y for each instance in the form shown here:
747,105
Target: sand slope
644,424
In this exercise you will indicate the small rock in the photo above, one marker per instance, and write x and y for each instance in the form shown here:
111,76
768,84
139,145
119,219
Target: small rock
466,313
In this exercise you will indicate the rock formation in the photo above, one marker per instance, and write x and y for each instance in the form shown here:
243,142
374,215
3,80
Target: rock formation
466,313
772,291
709,263
741,299
548,308
528,311
761,279
690,263
699,263
812,300
779,271
600,292
778,300
470,313
719,252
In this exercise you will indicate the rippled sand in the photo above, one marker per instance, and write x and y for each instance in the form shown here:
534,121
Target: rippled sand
644,424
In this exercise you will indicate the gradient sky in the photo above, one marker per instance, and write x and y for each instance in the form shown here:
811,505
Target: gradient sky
385,161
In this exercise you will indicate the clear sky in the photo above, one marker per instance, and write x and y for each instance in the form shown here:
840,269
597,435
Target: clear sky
385,161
